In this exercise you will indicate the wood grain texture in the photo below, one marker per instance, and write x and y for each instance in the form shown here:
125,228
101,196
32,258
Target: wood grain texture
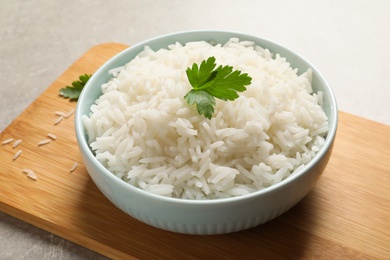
346,216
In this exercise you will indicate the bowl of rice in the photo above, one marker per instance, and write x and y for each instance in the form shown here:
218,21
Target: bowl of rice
153,156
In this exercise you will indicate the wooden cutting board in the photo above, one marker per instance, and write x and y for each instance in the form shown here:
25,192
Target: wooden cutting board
346,216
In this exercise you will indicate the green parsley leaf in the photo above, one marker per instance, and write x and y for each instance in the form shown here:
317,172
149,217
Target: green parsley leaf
204,102
209,83
73,92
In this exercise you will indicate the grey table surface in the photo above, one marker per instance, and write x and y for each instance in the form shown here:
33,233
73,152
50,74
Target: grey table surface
349,41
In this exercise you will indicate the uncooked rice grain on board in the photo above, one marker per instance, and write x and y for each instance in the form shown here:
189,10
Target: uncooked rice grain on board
74,166
58,120
52,136
32,175
43,142
69,114
28,171
143,131
16,155
7,141
17,143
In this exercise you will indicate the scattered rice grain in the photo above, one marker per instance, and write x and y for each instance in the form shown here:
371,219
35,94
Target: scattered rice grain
16,143
70,113
52,136
43,142
59,113
28,171
7,141
73,168
59,119
17,154
32,175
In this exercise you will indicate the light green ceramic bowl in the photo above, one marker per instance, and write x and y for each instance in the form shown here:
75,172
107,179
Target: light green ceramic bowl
205,216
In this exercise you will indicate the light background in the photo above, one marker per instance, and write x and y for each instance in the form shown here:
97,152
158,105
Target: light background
348,41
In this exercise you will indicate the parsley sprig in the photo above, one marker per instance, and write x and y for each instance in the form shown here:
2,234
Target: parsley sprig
73,92
209,83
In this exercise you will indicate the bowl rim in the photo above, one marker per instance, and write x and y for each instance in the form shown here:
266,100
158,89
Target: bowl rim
84,147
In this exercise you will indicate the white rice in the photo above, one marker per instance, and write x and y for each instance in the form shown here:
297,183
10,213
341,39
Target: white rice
144,132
